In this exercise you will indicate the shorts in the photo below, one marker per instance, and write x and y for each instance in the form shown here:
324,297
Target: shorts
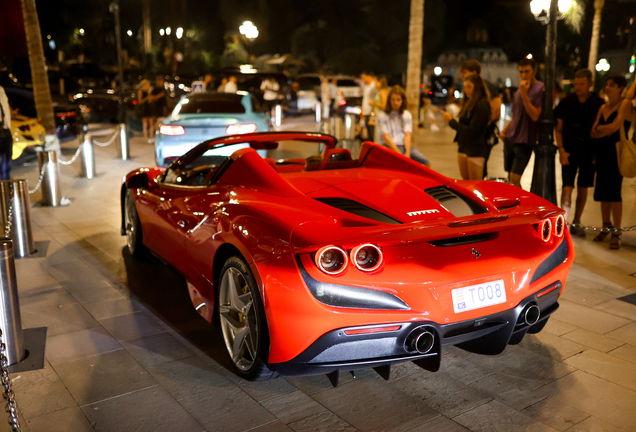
516,156
585,167
474,150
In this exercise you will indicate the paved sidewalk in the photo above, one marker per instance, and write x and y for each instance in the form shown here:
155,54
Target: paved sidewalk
127,352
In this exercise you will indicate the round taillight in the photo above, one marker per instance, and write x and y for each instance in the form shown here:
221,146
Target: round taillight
367,257
546,230
332,260
559,226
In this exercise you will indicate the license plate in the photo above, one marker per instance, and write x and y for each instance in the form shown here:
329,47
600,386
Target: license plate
478,296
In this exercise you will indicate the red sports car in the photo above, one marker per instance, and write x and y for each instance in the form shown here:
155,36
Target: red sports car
313,262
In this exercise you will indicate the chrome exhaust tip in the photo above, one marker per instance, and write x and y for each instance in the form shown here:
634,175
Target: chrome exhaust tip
531,314
420,340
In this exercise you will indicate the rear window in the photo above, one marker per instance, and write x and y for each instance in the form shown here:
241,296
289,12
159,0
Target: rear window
207,105
346,83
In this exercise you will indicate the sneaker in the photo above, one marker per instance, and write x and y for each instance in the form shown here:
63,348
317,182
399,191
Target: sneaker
575,230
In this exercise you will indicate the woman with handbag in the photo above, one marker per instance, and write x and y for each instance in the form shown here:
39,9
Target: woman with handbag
474,117
6,139
612,124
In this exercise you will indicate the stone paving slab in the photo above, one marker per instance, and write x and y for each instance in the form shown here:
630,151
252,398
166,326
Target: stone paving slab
125,350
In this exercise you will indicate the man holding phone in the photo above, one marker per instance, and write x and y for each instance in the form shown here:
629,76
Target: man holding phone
520,135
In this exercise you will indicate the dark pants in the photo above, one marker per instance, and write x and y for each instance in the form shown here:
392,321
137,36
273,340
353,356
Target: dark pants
5,166
6,149
370,128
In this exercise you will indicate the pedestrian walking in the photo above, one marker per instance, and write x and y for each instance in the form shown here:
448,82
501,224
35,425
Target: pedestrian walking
575,115
520,135
473,67
270,88
159,103
6,139
474,117
368,93
221,87
612,122
395,126
143,107
379,102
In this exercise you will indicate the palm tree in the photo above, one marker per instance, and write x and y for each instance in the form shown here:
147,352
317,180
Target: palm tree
596,29
414,64
41,91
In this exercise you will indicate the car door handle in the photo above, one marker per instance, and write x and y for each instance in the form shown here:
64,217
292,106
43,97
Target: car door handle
182,223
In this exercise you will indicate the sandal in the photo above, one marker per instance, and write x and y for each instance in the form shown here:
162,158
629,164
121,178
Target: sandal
615,243
601,236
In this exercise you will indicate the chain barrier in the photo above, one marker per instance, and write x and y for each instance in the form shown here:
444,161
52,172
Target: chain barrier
107,143
7,228
12,406
39,183
603,229
74,158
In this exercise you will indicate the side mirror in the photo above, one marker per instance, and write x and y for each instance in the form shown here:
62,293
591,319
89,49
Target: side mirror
138,181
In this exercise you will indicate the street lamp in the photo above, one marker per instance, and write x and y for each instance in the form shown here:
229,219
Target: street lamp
602,65
543,176
249,30
179,33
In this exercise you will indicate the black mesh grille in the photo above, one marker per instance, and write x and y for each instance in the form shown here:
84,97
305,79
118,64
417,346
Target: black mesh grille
358,209
455,203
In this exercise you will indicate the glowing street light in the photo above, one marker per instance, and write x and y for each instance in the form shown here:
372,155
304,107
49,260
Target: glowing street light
179,33
249,30
168,31
162,32
602,65
129,32
437,70
541,8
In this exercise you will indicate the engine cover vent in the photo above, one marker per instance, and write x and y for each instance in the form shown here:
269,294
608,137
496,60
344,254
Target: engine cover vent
358,209
454,202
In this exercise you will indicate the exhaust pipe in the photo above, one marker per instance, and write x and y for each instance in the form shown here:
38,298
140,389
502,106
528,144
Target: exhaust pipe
531,314
420,340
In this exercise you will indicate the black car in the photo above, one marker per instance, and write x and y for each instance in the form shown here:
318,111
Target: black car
68,119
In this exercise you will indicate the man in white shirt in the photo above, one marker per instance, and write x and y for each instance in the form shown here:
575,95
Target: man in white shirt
368,93
270,89
231,87
6,140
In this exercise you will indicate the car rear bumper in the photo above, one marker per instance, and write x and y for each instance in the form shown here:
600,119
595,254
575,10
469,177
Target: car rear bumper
336,351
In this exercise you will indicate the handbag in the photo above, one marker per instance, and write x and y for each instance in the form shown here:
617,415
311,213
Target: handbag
492,135
626,153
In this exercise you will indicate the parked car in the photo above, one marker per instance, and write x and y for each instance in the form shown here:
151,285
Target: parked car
347,87
28,137
315,263
202,116
68,119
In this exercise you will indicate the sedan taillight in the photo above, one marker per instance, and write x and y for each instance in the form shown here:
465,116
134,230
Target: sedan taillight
238,129
171,130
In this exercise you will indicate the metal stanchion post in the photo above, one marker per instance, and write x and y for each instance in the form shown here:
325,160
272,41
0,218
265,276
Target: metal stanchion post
123,150
10,320
278,115
87,164
350,126
51,192
16,215
318,112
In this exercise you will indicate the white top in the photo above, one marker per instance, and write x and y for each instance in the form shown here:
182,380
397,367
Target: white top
269,87
394,125
230,87
6,108
368,93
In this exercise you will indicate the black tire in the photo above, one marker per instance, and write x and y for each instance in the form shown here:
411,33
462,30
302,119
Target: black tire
241,312
132,227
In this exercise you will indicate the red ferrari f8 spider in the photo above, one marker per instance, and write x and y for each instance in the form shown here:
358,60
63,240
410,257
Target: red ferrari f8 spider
313,262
